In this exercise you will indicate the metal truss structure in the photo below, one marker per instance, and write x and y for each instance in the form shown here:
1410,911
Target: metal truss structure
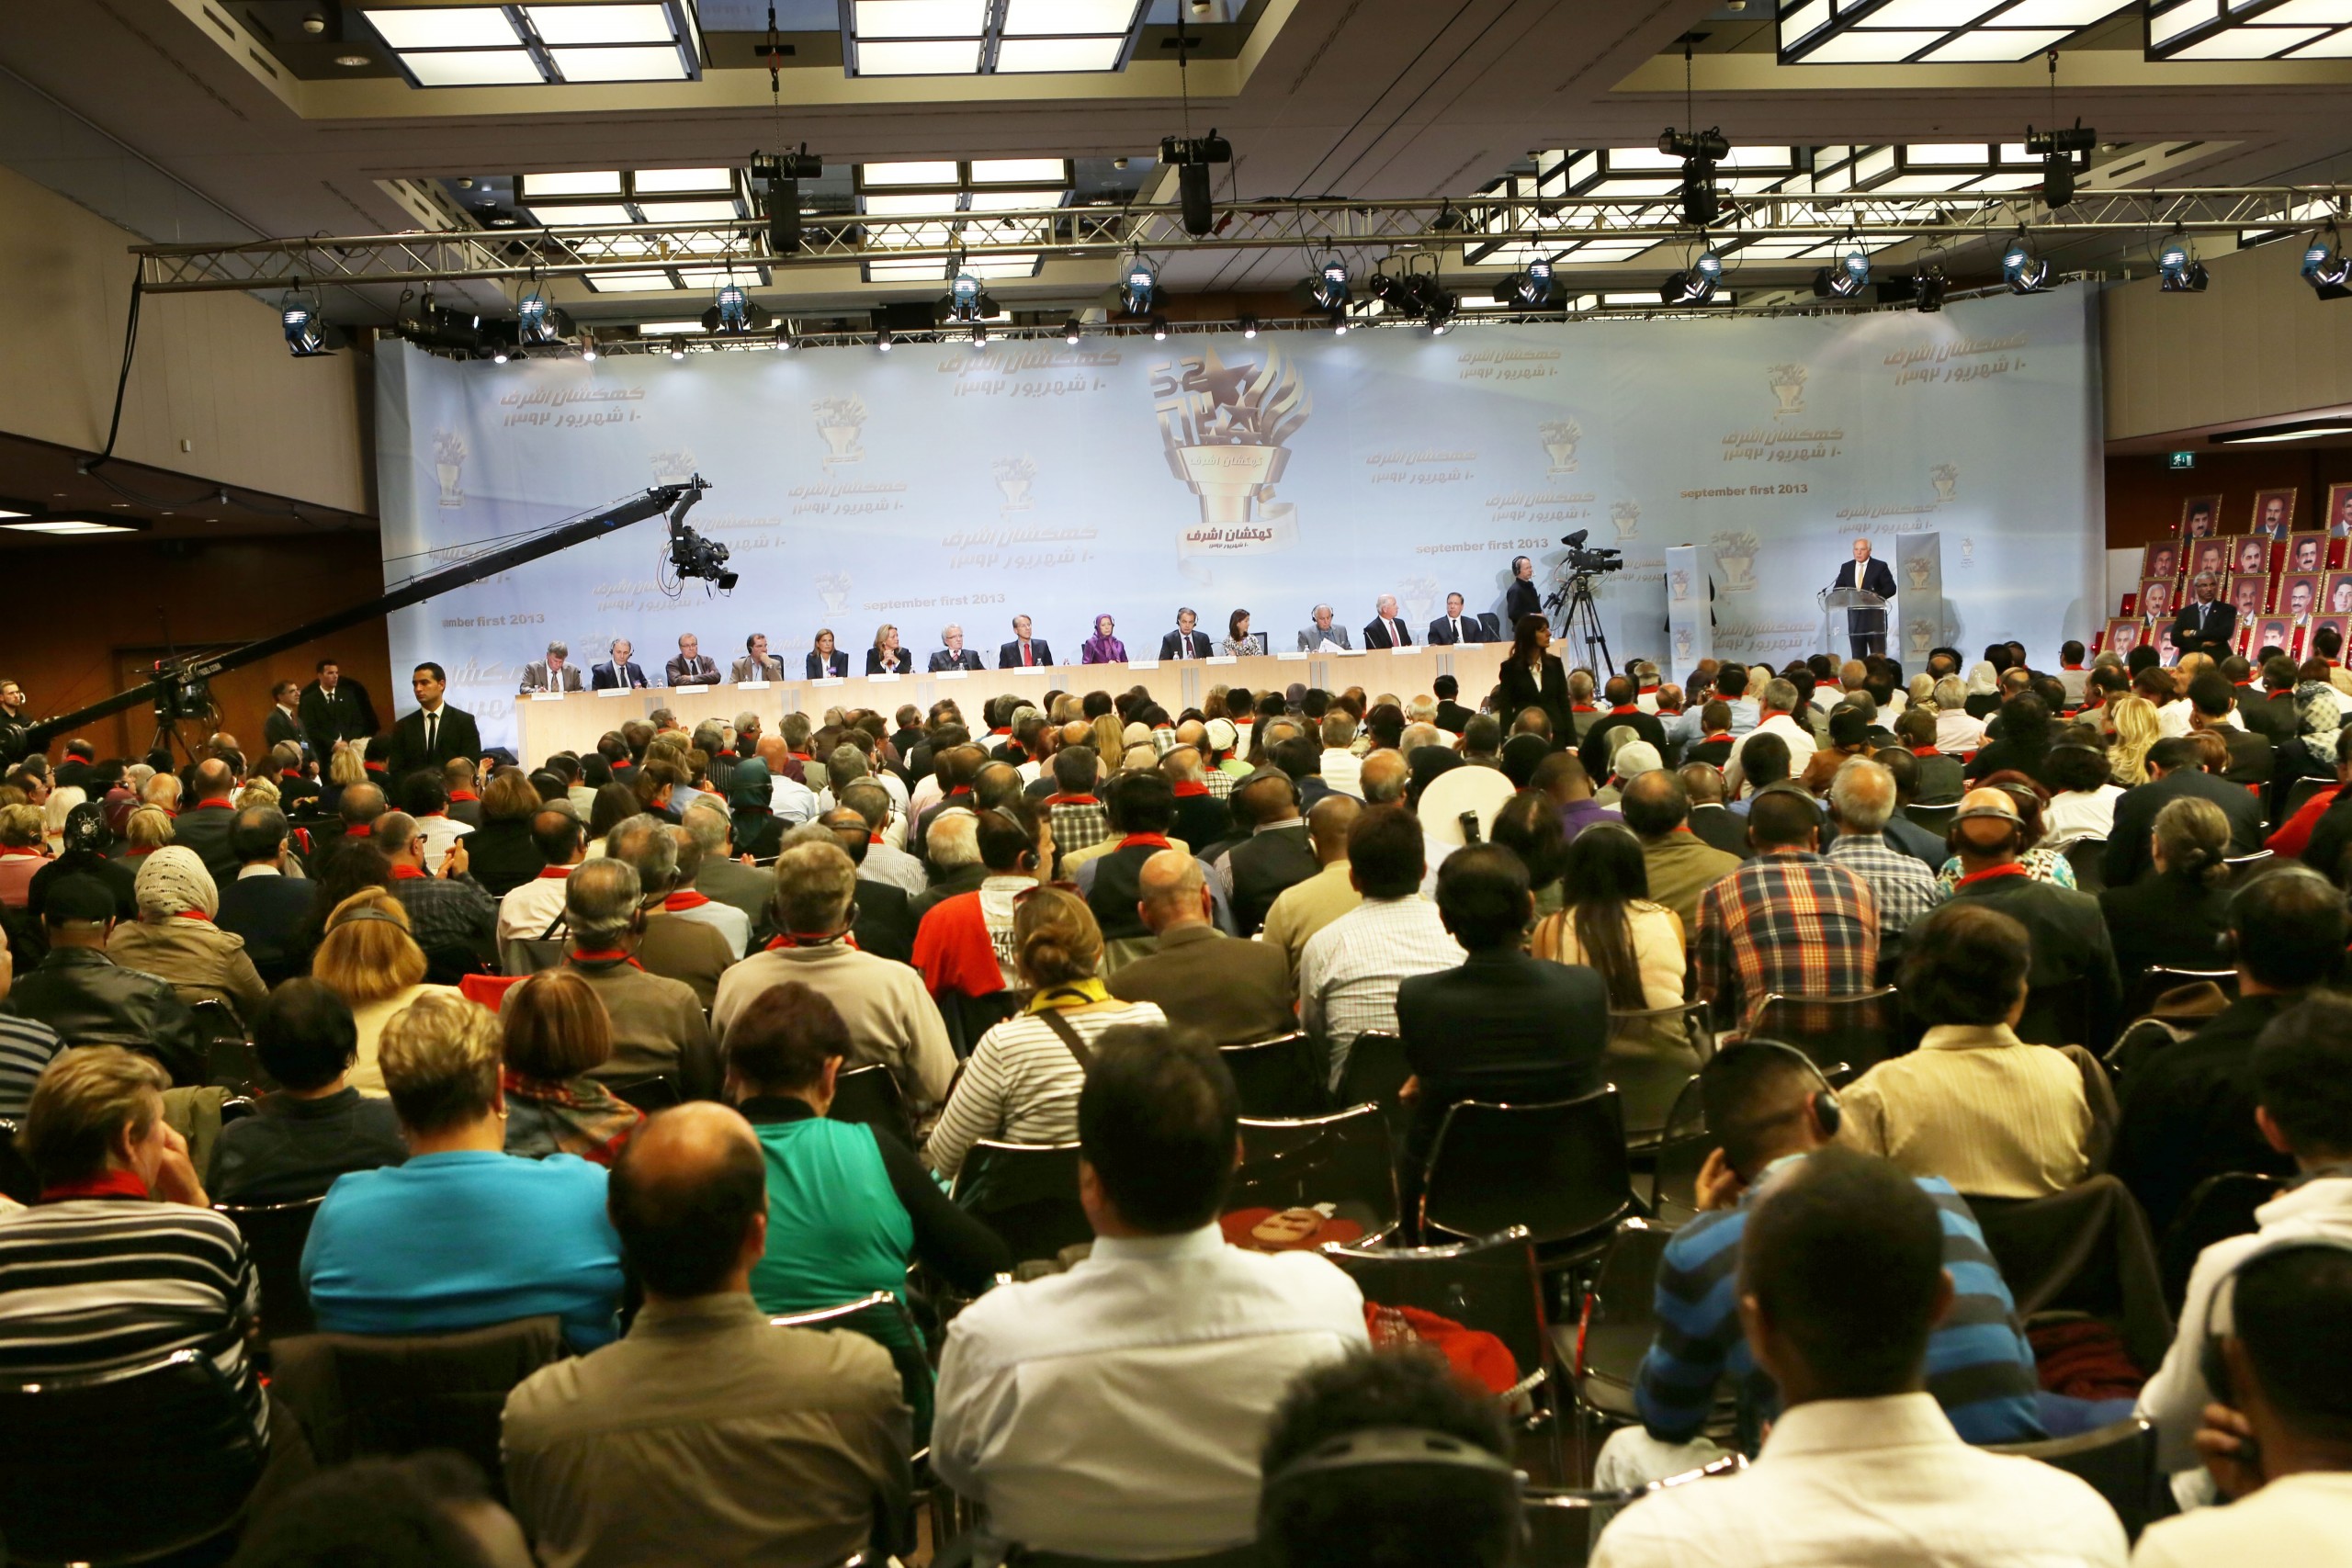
1480,231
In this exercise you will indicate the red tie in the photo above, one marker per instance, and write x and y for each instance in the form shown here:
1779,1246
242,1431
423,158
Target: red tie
1025,660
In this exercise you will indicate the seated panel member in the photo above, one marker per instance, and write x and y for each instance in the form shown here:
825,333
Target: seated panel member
555,673
757,663
825,660
1455,626
1239,641
620,671
691,668
951,654
1322,631
885,656
1184,642
1024,650
1384,630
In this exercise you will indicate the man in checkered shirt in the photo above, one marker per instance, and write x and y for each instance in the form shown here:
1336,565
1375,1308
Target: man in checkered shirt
1079,818
1862,800
1787,921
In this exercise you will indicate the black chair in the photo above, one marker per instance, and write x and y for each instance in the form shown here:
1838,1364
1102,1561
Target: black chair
1559,1167
1650,1056
2087,859
2298,796
659,1092
1603,1349
1343,1158
2118,1460
2062,1015
1682,1148
887,1321
228,1055
1027,1193
1375,1070
2219,1207
275,1235
17,1178
870,1096
124,1466
1861,1029
1276,1078
2246,870
969,1018
1934,819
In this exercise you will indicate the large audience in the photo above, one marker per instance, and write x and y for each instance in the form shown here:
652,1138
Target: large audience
718,1065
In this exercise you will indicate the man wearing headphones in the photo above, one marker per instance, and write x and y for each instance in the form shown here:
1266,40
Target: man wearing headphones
2302,1069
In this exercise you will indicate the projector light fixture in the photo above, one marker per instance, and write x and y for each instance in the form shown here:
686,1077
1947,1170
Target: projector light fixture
587,346
1140,287
1340,323
1328,289
2023,271
677,350
782,176
966,300
1249,326
537,323
1191,157
2177,269
1700,152
980,337
882,340
1695,285
733,313
1160,328
1846,279
307,336
1072,332
2056,149
1927,285
1533,287
2325,268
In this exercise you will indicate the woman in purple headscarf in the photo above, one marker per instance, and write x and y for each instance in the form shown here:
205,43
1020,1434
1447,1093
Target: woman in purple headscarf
1103,648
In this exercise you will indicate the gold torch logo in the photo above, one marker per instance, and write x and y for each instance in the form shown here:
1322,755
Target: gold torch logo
1225,429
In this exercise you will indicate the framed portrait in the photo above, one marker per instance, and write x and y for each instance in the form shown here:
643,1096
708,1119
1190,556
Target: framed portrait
2274,513
2156,599
2207,555
2161,560
2299,595
2272,632
2307,552
2342,625
2335,594
2249,552
2200,516
2168,650
2339,511
2122,635
2249,595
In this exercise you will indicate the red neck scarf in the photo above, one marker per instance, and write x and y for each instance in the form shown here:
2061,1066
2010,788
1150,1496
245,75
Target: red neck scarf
112,1184
1189,787
364,831
458,794
216,800
1990,871
604,955
1925,751
1626,708
686,898
810,939
555,874
1156,840
1071,800
407,874
34,849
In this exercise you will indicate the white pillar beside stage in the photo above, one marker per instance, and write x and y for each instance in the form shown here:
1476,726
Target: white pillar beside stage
1917,616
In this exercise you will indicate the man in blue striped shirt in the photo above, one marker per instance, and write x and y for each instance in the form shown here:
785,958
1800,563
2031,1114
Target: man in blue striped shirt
1771,1108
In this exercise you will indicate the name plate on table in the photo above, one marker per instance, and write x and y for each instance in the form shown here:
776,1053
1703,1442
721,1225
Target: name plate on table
547,696
690,691
1404,648
834,681
1221,659
1292,657
616,691
1347,653
956,674
880,677
751,685
1143,663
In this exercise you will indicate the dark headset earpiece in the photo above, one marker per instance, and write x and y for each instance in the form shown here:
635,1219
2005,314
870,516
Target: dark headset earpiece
2211,1364
1827,1110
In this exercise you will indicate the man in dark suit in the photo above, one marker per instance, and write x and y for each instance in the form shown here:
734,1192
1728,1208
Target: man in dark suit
204,827
1453,627
2270,710
1595,750
691,668
1866,628
2210,701
1202,818
1024,651
620,669
2175,768
1275,855
1184,642
284,721
1714,823
1451,716
1540,1028
1384,630
335,708
555,673
951,654
1523,597
1232,992
2206,625
435,731
2070,942
261,903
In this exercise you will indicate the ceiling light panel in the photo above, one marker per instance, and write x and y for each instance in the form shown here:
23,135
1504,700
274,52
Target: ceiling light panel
1017,171
970,38
2249,30
629,282
531,187
1025,18
444,26
543,42
474,68
1887,32
628,23
683,182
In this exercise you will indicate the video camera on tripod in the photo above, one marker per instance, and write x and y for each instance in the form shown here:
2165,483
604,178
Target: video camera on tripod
1572,598
1583,562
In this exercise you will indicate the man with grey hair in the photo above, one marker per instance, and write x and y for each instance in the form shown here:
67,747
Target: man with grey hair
688,902
956,865
758,665
1340,764
1322,634
692,950
1861,799
890,1016
555,673
1780,703
721,876
951,654
1384,630
451,916
2205,625
657,1023
884,861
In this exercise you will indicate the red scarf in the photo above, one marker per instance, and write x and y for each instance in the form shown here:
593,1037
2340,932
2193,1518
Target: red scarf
1626,708
1156,840
810,939
1071,800
198,916
555,874
1189,787
603,955
216,800
377,767
458,794
1990,871
687,899
35,850
112,1184
1925,751
289,772
407,874
364,831
1718,735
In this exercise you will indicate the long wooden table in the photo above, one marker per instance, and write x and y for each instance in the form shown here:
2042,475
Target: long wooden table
573,721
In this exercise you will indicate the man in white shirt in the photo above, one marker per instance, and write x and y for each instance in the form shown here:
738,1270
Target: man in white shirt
1780,701
1341,767
1350,971
1841,1278
2299,1069
529,907
1117,1411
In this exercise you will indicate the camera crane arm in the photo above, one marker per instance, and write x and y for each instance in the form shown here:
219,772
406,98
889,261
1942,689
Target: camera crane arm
674,498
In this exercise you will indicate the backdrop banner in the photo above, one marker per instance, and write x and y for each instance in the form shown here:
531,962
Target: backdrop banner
946,483
1918,617
1689,594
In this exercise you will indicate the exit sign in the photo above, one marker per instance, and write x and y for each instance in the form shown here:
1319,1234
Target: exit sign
2181,460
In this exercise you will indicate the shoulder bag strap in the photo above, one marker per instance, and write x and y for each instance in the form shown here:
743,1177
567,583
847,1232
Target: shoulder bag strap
1069,1038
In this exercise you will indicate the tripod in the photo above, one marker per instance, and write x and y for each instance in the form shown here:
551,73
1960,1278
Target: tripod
1581,618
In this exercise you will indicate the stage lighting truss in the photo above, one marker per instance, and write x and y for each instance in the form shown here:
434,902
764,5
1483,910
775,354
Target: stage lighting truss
2249,30
999,208
2022,269
1930,32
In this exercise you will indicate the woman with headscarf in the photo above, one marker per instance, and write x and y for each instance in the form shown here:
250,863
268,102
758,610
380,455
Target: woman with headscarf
55,809
85,841
751,802
1984,699
175,939
1103,648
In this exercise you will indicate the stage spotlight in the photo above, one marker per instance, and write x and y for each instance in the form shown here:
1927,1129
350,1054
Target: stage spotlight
1440,315
782,177
2325,268
534,322
1160,328
1338,323
1071,331
587,346
1328,288
980,337
882,340
732,312
1192,156
1846,279
498,354
1928,286
966,300
1694,285
1139,287
1533,287
1249,326
678,351
307,332
1698,153
1398,294
2056,149
2177,269
2024,272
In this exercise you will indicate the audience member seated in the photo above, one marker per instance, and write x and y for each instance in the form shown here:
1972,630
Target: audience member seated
1787,921
368,959
1142,804
89,1000
1713,821
2213,707
1117,1411
429,1510
2179,919
705,1436
1561,776
1350,970
501,853
2175,768
2042,860
2082,800
88,849
891,1019
23,852
2189,1110
1780,703
1275,856
203,827
1608,922
1228,992
668,945
175,939
269,910
1941,777
2069,939
27,1048
1388,1459
1680,864
532,909
1306,907
687,901
553,1035
1993,1116
849,1206
313,1126
1861,807
449,914
2302,1072
2292,839
1020,1084
657,1027
952,852
462,1235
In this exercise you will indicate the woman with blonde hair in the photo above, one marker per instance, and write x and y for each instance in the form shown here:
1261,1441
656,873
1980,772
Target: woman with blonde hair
257,792
175,939
346,767
147,830
885,656
1922,690
555,1033
368,959
1021,1084
2136,729
1111,740
56,809
24,849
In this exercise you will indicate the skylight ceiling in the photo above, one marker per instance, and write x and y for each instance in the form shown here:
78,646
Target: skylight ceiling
2249,30
1933,33
962,194
645,197
986,38
541,42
